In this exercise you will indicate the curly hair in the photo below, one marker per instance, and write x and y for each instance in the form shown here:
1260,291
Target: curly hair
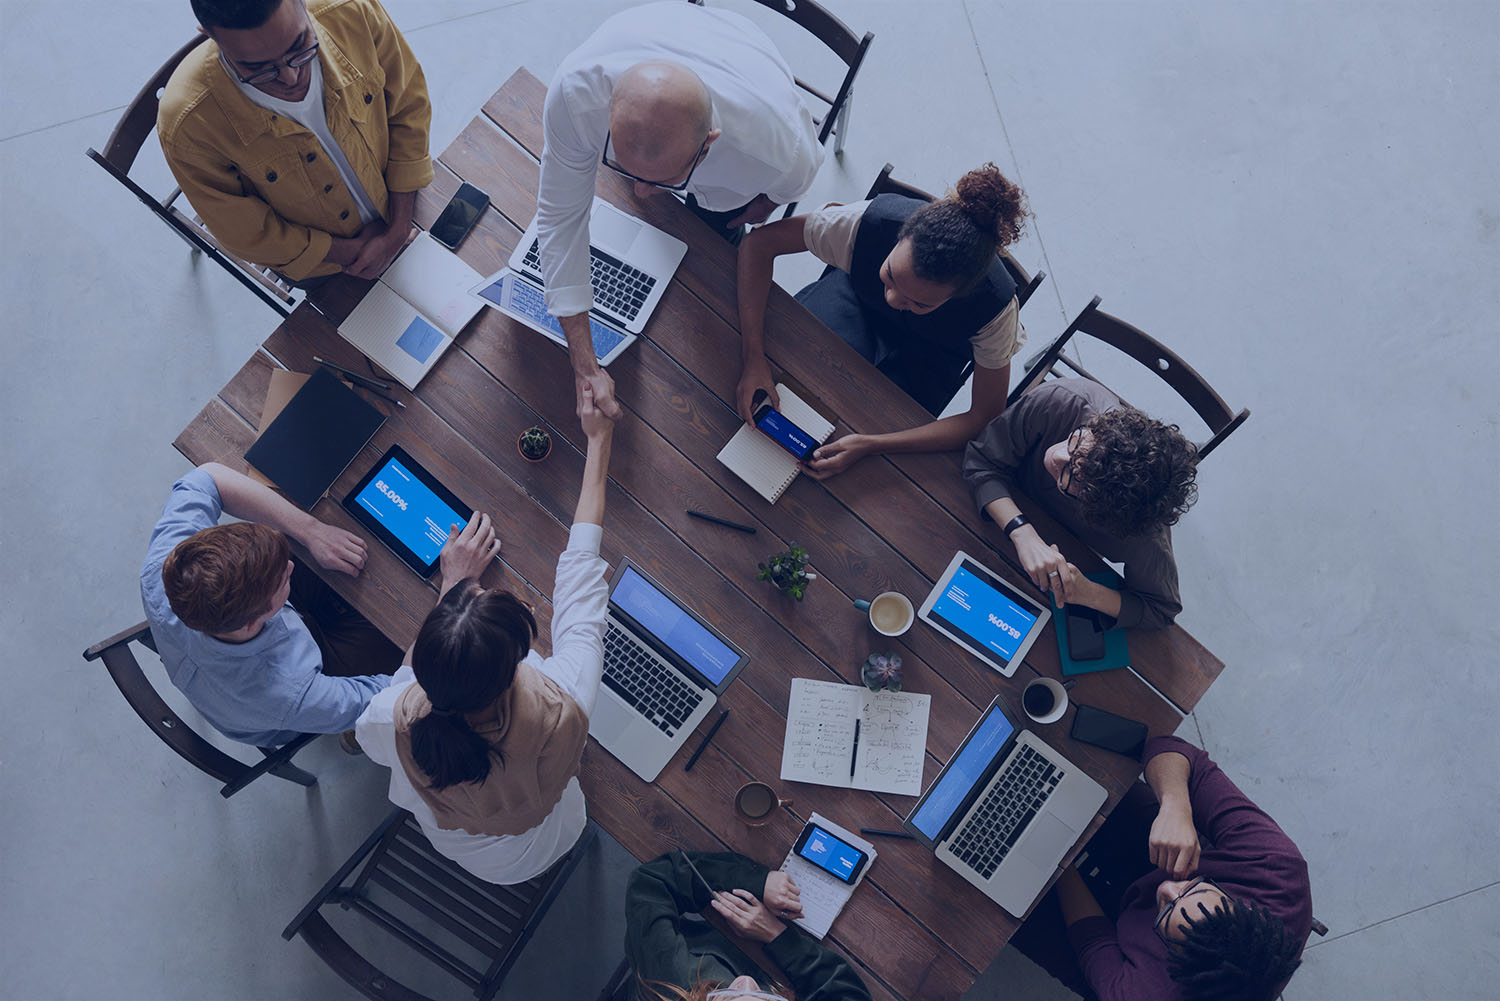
954,239
1136,476
1237,953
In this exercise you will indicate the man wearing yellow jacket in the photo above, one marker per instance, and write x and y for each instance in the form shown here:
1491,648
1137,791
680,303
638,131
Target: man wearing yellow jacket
299,133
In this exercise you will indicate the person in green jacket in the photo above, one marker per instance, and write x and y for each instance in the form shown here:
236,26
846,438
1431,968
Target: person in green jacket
677,956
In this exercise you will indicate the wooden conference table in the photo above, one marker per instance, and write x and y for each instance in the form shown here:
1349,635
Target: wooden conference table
914,929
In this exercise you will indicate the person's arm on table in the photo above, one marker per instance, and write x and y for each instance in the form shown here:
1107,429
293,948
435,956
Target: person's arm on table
757,255
815,973
1173,841
660,892
332,548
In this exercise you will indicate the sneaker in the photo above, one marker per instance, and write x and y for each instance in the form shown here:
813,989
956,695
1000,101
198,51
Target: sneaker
349,744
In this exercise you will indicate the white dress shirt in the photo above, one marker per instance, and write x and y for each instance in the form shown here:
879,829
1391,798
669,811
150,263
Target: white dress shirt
579,604
769,145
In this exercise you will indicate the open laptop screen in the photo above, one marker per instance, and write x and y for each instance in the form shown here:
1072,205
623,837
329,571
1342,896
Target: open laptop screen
673,627
967,770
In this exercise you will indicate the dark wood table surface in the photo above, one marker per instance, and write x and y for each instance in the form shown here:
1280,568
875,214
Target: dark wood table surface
914,929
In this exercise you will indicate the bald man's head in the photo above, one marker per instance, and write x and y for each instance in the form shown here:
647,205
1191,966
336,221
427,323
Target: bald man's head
659,118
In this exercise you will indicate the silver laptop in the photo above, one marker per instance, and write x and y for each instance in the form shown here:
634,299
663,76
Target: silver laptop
664,668
631,264
1005,810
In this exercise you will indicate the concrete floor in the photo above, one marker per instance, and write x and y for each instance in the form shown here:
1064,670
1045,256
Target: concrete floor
1300,198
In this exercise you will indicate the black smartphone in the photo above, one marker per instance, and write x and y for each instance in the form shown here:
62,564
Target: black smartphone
1109,731
459,216
832,854
1085,634
773,424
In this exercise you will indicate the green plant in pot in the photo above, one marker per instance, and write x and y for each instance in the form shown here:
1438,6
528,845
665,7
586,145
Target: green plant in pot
788,571
881,671
535,444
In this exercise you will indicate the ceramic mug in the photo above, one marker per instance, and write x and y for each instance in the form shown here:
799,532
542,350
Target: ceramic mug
755,802
1045,700
891,612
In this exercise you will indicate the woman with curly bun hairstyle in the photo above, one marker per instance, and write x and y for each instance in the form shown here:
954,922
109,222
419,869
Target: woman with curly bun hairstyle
914,286
1116,478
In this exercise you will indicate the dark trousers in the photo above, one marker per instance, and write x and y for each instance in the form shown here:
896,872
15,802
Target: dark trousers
351,646
1114,857
719,221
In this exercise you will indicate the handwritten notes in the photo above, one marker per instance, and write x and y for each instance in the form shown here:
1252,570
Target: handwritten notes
823,896
884,753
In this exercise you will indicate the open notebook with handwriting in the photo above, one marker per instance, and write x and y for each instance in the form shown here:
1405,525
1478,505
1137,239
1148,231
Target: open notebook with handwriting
849,736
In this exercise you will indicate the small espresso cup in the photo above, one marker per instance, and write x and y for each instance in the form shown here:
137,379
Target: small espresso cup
1045,700
891,613
755,802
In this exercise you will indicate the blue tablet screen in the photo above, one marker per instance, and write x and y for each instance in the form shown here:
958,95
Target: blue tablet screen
976,608
409,510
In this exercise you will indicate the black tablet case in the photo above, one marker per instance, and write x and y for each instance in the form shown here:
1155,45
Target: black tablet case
318,433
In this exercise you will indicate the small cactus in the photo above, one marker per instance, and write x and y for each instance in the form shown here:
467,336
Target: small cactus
881,670
535,443
788,571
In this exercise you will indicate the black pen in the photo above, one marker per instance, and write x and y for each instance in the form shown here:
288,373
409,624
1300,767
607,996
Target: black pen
854,753
748,529
885,834
383,396
706,738
362,380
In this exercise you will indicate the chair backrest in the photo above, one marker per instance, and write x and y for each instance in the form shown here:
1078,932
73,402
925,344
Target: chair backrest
1025,284
119,156
433,905
1136,343
190,745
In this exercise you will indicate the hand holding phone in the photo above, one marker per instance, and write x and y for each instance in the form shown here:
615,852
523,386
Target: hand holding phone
783,432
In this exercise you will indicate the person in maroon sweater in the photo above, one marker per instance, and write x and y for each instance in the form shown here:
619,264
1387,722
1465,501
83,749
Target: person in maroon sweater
1219,906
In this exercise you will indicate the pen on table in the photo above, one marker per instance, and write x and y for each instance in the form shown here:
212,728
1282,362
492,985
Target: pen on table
854,752
383,396
723,715
885,834
748,529
362,380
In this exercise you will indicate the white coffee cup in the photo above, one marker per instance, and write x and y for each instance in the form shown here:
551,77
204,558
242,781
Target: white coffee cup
1048,689
891,612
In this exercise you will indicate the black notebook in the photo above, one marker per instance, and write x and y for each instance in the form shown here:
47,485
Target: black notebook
315,436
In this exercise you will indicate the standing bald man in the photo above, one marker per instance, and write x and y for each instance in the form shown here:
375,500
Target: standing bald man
675,97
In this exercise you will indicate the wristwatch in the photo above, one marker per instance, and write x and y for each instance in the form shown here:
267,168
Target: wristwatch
1015,523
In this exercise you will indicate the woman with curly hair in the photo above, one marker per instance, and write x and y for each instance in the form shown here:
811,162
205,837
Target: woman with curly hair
1116,478
916,288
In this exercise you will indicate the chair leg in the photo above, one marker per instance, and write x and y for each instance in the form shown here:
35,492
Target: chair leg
278,761
841,124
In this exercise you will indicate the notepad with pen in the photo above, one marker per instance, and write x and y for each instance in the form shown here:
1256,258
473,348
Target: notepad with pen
765,465
849,736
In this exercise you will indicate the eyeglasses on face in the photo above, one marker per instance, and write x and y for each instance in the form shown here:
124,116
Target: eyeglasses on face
1065,477
295,60
1195,887
613,165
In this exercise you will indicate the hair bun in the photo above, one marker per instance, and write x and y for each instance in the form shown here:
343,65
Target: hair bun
993,202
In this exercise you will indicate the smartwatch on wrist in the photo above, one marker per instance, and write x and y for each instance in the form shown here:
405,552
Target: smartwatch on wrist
1015,523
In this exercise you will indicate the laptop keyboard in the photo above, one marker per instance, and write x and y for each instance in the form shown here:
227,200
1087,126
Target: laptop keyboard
1000,817
634,674
617,286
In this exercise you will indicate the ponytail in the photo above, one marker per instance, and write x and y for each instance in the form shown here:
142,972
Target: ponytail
955,239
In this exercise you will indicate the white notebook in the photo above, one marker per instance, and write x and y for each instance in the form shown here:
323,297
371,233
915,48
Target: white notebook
823,896
416,309
762,463
849,736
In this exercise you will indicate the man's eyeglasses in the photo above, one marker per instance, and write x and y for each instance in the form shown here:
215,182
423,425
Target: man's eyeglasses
1065,477
295,60
613,165
1196,886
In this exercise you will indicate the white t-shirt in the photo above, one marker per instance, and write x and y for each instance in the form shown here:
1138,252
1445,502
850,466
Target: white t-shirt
311,115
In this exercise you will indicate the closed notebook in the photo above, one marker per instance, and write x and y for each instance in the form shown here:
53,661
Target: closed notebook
410,316
317,434
762,463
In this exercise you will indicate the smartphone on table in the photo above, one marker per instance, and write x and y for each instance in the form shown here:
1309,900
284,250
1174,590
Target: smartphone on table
774,424
1085,633
1109,731
832,854
459,216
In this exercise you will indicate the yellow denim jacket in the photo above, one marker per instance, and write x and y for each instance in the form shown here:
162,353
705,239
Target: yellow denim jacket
261,182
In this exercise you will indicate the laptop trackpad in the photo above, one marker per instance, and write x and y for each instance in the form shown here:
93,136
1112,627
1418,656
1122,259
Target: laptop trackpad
613,231
1047,841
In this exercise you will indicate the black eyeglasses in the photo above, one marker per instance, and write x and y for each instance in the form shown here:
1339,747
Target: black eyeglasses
1065,477
296,60
610,162
1196,886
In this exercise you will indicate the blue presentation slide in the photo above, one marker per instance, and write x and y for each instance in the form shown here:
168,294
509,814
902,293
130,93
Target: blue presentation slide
788,435
963,774
825,850
409,510
661,617
978,610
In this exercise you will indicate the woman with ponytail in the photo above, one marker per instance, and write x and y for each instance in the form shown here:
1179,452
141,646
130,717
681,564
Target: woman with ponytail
916,288
482,735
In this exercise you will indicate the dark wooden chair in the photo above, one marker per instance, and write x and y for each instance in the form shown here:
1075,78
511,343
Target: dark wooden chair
120,152
1165,363
120,661
433,905
841,40
617,987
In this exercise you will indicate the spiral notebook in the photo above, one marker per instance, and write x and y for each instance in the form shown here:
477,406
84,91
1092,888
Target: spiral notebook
823,896
762,463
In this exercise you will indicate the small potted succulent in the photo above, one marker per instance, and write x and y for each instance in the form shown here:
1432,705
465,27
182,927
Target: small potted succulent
534,444
788,571
881,671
